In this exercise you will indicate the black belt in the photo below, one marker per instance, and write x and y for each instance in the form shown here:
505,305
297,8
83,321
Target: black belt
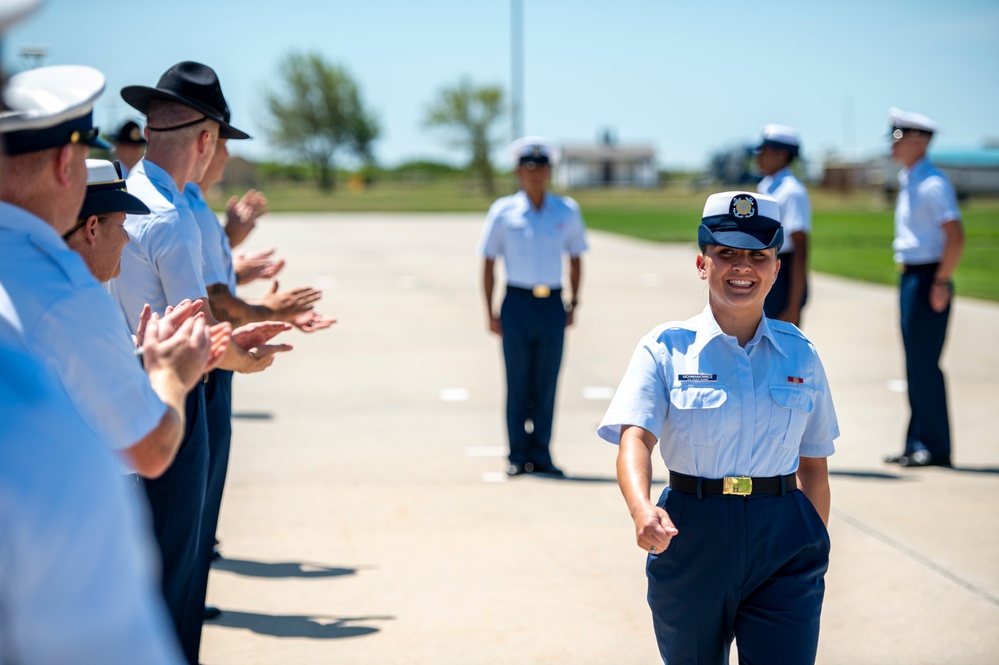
918,267
540,291
732,485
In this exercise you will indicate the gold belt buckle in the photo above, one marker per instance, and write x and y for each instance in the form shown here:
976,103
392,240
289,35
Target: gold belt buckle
738,485
541,291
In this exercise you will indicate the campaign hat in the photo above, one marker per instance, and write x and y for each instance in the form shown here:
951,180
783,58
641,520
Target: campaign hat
781,137
534,150
742,220
130,134
107,193
189,83
49,107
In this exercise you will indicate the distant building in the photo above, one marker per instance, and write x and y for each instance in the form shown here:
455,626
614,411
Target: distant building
607,164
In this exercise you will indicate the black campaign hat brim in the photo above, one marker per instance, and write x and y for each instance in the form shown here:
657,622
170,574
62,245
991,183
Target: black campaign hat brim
140,97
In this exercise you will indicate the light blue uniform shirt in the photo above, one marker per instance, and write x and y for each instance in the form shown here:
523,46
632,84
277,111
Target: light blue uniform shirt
792,198
67,321
723,410
162,265
77,580
926,200
532,241
215,248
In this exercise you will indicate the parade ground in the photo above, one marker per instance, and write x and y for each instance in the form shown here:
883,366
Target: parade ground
367,518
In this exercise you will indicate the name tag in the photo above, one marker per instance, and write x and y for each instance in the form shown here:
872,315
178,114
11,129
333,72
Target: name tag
698,377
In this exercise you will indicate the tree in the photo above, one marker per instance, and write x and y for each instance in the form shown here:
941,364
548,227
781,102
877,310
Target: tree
468,114
317,113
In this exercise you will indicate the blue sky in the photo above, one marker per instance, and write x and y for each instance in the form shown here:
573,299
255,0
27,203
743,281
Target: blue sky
687,77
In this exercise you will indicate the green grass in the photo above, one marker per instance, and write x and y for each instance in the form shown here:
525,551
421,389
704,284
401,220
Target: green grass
851,235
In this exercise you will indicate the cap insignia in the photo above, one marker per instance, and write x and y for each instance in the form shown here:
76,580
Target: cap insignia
743,206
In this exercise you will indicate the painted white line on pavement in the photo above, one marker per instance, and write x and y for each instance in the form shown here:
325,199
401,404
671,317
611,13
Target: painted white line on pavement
454,394
486,451
897,385
598,392
494,477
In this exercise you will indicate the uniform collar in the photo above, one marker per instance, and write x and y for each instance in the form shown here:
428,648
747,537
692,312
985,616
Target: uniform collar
19,219
905,173
706,328
158,176
195,191
525,201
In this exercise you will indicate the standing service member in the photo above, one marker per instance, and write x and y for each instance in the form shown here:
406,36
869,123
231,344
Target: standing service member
777,151
741,405
929,240
532,231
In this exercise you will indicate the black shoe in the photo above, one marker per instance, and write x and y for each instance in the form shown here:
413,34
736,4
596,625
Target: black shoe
894,459
922,458
549,470
516,469
212,612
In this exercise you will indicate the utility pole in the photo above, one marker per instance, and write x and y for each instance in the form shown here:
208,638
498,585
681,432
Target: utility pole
516,69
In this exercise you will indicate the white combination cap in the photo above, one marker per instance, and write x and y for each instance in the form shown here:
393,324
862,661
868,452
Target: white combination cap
534,150
899,119
50,107
742,220
781,137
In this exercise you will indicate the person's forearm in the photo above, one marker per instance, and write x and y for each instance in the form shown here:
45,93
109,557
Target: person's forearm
227,307
813,480
634,469
953,249
575,277
488,284
151,456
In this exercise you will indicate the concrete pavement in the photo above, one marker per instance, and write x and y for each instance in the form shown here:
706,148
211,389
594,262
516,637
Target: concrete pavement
367,519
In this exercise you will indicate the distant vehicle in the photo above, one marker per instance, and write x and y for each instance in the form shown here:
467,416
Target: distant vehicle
973,172
730,166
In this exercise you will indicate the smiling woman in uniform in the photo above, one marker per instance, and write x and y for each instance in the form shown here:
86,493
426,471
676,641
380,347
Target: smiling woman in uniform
737,543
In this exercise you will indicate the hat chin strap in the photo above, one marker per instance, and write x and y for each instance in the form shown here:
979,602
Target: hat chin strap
183,125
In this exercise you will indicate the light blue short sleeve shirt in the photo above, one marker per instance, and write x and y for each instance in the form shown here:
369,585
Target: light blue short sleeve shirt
719,409
68,322
795,206
926,201
162,265
533,241
215,248
77,578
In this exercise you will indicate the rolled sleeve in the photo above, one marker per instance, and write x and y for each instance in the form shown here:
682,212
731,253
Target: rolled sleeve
641,399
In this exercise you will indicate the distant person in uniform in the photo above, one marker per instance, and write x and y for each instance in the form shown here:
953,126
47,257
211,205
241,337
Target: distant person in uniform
776,153
129,146
533,231
741,405
929,241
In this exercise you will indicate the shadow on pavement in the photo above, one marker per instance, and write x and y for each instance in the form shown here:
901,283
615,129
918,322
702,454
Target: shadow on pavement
313,627
968,469
279,568
253,415
868,475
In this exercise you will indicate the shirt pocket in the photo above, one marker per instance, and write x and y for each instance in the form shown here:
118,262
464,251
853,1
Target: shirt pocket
696,416
789,410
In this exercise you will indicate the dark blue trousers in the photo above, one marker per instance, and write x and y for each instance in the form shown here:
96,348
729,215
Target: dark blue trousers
176,500
533,337
923,335
777,298
749,568
218,411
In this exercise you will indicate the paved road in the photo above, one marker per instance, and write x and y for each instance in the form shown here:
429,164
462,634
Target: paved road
367,519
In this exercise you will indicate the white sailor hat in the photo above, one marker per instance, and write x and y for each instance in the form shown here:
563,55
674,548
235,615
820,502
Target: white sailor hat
535,150
781,137
902,122
742,220
12,11
49,107
106,192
